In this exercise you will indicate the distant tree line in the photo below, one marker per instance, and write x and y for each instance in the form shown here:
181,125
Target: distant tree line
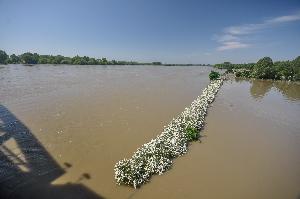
265,68
34,58
186,64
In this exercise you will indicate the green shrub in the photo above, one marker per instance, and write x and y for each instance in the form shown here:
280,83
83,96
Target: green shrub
213,75
243,73
192,133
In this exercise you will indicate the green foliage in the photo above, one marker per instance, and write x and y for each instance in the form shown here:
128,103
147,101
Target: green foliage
213,75
243,73
14,59
156,63
104,61
57,59
296,62
266,69
192,133
229,66
29,58
42,60
34,58
92,61
66,61
3,57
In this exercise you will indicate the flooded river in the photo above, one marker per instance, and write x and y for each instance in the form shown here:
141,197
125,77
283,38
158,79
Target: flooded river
62,129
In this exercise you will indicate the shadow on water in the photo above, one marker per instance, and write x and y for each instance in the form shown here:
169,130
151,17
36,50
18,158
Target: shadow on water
27,169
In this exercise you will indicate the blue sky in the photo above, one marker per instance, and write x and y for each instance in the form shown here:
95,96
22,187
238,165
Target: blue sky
173,31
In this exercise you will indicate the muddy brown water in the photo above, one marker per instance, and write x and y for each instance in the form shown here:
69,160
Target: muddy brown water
62,129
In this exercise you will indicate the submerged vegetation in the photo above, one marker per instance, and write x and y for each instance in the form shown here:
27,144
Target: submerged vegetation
265,68
155,157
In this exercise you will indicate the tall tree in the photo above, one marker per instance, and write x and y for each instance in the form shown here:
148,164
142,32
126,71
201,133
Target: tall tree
264,69
29,58
14,59
3,57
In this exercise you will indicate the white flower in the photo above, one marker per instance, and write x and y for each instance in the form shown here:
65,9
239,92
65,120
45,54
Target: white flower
155,157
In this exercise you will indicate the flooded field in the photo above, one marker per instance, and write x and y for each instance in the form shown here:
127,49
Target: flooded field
62,129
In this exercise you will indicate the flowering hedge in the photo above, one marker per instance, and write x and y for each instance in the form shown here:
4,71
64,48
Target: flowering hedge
155,157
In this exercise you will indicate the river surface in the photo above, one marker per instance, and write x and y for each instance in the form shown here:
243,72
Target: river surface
62,129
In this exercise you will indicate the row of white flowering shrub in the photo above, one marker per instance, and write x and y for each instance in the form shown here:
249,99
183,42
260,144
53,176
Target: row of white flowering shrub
155,157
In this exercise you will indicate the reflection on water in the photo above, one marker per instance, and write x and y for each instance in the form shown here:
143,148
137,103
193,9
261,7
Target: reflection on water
259,88
291,90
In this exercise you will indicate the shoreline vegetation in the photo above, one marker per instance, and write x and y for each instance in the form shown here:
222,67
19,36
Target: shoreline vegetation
155,157
265,68
29,58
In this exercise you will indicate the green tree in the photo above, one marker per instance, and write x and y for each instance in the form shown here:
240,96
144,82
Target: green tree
29,58
57,59
114,62
43,60
264,69
296,62
283,70
156,63
66,61
3,57
104,61
296,68
14,59
92,61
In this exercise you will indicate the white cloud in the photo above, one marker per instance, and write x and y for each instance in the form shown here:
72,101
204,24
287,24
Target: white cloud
232,36
283,19
227,37
232,45
243,29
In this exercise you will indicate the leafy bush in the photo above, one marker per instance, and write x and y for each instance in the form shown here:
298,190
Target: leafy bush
192,133
266,69
213,75
242,73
